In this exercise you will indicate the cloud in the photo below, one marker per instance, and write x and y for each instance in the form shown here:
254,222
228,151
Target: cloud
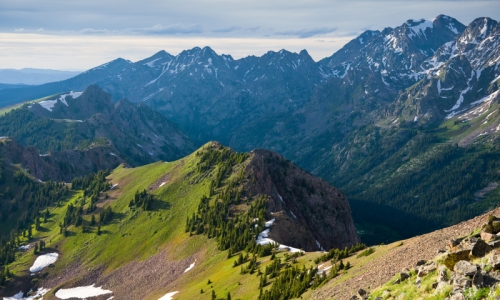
305,33
169,29
93,31
227,29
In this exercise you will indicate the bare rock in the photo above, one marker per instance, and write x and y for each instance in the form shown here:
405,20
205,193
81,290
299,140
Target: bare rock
457,296
420,263
477,280
453,257
494,261
461,282
403,276
480,248
362,294
465,268
442,275
487,236
454,242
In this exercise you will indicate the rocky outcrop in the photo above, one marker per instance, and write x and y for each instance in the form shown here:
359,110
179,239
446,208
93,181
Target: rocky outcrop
309,213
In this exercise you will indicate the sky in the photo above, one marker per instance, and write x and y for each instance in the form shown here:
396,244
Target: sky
79,35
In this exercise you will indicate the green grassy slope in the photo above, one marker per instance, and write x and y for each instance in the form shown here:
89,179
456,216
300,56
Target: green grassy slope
135,235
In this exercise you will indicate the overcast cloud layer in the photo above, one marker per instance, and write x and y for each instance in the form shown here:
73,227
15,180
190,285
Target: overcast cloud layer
77,35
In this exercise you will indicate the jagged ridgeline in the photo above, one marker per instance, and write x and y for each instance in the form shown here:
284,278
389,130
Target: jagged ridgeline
233,217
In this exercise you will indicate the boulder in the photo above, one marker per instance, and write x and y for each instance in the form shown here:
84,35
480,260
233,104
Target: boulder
452,258
403,276
494,261
494,244
442,275
457,296
477,280
480,248
487,236
420,263
454,242
465,268
461,282
362,294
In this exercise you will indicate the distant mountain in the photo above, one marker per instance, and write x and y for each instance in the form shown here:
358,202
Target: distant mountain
82,120
31,76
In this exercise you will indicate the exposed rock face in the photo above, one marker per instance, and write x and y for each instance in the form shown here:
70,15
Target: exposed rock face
62,165
309,213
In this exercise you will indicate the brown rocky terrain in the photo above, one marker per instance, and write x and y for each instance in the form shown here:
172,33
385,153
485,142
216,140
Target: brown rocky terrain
381,269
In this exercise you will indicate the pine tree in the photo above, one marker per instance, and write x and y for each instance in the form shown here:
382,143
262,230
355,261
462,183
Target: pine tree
228,296
214,296
36,248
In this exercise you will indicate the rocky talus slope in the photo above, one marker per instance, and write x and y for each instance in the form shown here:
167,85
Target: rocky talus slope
405,255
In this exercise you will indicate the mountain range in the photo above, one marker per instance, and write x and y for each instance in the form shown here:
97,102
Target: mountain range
376,119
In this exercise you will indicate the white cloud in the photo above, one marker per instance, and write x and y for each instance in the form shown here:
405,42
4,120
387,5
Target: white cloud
304,33
168,29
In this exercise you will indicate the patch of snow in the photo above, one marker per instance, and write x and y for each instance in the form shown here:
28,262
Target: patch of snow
81,292
112,153
162,184
461,98
190,267
24,247
139,145
49,104
151,63
168,296
281,198
263,239
293,215
3,137
415,119
319,246
114,185
420,28
269,223
43,261
38,295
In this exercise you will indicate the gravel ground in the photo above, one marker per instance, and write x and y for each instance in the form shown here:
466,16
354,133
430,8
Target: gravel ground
381,269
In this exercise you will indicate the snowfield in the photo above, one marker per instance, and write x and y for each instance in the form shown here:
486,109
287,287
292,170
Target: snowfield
81,292
43,261
168,296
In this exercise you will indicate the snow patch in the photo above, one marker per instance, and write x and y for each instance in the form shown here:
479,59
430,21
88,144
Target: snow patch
190,267
49,104
81,292
162,184
43,261
38,295
263,239
114,185
269,223
293,215
112,153
168,296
